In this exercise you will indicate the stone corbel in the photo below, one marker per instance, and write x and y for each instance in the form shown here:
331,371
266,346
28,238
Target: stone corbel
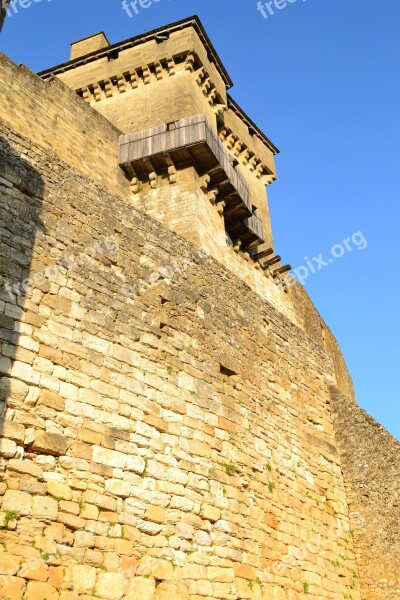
134,80
189,65
153,178
212,195
204,181
172,175
121,82
219,109
86,95
171,66
200,75
146,75
159,70
135,185
109,88
220,207
98,92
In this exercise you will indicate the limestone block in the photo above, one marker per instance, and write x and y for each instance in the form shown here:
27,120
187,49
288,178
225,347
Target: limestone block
40,591
155,514
11,588
26,467
19,502
59,490
56,576
83,578
171,591
116,487
24,372
44,507
110,586
12,430
141,588
9,564
5,365
71,521
109,457
192,571
135,464
220,574
8,448
211,513
106,502
34,569
51,443
51,399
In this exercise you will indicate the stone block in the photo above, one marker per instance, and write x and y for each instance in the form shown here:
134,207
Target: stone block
56,576
25,467
106,502
34,569
11,588
12,430
210,513
109,457
116,487
135,464
51,399
18,502
51,443
71,521
171,591
8,448
141,588
40,591
44,507
83,578
110,586
59,490
199,448
155,514
9,564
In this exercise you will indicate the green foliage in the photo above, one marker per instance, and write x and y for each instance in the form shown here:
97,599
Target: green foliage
306,588
9,515
230,469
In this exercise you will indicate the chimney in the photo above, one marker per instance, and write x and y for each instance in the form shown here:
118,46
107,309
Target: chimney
87,45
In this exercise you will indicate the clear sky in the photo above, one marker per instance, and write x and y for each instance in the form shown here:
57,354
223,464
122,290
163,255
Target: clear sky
321,78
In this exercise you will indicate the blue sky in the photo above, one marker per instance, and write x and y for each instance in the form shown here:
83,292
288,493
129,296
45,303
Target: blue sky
322,79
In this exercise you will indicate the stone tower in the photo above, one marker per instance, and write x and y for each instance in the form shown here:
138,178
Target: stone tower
178,423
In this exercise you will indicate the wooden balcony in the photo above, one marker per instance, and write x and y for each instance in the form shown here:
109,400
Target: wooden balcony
248,230
192,142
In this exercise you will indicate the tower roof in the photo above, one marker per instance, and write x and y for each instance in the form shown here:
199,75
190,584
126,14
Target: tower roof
193,22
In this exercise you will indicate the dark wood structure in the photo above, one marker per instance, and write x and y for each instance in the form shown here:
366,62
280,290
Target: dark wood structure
192,142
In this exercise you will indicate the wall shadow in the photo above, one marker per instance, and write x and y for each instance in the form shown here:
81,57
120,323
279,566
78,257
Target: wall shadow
21,195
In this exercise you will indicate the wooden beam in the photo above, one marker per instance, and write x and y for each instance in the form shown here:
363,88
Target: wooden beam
263,254
271,262
281,270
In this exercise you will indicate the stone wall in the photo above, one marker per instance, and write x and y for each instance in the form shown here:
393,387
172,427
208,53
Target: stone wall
160,447
56,118
371,465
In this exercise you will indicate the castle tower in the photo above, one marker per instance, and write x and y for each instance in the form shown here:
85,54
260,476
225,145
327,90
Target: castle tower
196,161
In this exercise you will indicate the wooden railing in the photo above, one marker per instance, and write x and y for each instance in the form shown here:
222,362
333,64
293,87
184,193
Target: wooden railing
189,132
